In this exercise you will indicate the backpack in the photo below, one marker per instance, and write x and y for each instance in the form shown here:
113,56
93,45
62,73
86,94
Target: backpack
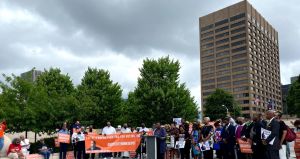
290,135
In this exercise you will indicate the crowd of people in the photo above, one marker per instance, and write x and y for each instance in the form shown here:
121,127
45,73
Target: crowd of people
199,140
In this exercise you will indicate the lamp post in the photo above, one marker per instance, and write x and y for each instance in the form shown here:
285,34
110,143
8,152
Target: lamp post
226,109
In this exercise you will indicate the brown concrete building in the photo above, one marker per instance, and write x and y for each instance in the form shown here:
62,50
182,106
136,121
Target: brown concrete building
239,53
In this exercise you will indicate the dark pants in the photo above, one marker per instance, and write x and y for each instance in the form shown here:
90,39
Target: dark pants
228,151
80,150
74,145
46,154
272,154
209,154
258,152
63,150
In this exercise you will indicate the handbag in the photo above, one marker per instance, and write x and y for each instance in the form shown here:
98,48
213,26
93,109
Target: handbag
290,135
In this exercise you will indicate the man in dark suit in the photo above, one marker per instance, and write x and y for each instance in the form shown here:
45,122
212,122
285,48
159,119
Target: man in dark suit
272,149
228,136
257,146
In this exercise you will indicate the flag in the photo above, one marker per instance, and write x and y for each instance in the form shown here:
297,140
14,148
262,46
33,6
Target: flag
257,100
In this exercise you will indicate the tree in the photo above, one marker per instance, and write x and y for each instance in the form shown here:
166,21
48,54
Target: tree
59,103
213,106
159,96
100,99
16,104
293,98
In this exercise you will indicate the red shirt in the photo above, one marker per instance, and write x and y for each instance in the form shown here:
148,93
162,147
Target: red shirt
2,129
15,147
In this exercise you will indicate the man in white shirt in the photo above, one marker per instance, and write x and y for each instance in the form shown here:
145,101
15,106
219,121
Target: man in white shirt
108,130
25,145
125,129
143,128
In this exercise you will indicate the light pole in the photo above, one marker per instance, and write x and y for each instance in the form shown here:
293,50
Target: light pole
226,109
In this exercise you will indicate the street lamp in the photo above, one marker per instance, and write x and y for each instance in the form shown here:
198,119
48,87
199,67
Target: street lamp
226,109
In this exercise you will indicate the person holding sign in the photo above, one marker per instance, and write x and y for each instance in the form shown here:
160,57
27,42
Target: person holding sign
2,130
160,134
63,146
271,140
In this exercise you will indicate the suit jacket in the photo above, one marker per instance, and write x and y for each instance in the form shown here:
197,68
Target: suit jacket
274,128
228,133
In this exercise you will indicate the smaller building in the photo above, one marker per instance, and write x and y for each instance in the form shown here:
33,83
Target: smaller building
31,76
293,79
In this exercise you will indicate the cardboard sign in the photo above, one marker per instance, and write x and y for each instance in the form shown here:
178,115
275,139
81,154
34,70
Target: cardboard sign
63,138
245,146
112,143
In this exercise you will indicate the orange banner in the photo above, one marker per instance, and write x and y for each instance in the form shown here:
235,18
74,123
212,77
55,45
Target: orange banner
112,143
245,146
63,138
297,145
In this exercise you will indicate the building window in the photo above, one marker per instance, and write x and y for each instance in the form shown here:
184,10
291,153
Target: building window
224,21
208,57
208,81
237,24
244,88
210,63
239,49
223,66
238,43
243,75
238,30
223,85
239,62
208,45
237,69
208,87
240,82
224,53
207,34
236,17
221,29
238,36
222,35
222,47
207,27
207,39
206,52
223,59
222,41
238,56
209,69
223,72
225,78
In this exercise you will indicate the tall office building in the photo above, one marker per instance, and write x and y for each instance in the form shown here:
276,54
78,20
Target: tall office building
239,53
31,75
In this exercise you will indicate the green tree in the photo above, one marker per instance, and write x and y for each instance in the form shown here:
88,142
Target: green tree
293,98
159,96
100,99
59,103
213,106
16,104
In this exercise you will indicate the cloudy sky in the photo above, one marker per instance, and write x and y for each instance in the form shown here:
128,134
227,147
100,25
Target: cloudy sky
117,35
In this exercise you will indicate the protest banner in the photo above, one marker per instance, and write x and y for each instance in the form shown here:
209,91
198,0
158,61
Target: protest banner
112,143
245,146
297,145
63,138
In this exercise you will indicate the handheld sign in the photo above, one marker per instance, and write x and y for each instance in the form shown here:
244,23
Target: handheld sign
245,146
63,138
